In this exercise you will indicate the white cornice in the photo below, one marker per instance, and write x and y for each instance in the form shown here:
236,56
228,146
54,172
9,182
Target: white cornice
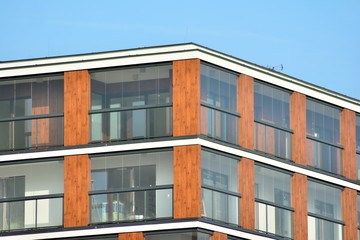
172,53
181,142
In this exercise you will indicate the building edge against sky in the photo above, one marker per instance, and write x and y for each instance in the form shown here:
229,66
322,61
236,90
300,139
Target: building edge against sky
173,142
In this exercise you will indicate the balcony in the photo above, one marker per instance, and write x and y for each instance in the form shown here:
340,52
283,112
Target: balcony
273,140
322,228
324,156
31,212
219,124
131,205
220,206
274,219
125,124
35,132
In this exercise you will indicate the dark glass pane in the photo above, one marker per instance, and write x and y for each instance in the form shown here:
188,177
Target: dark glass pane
323,121
218,88
272,105
273,141
324,200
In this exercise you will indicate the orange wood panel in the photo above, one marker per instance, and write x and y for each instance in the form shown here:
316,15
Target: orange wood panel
40,128
76,107
270,140
246,110
131,236
76,190
186,97
348,140
299,203
349,209
246,188
219,236
298,125
187,181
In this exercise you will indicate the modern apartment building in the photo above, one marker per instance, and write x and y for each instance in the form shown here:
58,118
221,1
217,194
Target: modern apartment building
173,142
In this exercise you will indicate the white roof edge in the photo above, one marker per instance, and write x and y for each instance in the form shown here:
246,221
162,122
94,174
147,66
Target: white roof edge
171,53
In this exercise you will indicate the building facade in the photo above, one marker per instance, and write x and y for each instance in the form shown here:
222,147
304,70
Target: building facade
173,142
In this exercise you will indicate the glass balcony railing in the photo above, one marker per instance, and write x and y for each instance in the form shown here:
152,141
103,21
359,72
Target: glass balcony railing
31,212
40,132
273,219
324,156
131,205
273,141
220,206
219,124
138,123
319,228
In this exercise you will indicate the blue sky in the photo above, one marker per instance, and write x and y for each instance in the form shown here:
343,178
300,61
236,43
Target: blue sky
316,41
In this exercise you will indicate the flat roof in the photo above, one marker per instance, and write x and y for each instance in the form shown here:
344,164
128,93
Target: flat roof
168,53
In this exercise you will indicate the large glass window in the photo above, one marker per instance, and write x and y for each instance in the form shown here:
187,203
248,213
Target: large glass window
358,143
32,112
131,187
324,211
272,120
323,136
220,194
31,195
131,103
273,212
219,116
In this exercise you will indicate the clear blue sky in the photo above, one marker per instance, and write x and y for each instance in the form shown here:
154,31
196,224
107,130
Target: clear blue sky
317,41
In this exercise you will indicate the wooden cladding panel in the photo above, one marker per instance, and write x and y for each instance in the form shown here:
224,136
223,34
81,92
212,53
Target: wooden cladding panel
219,236
348,140
76,190
187,181
246,110
131,236
186,97
299,203
246,188
349,209
76,107
298,125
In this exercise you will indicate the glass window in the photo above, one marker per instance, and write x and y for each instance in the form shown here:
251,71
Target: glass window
219,103
25,104
271,105
323,121
127,94
29,195
220,196
323,142
138,186
273,213
326,202
272,120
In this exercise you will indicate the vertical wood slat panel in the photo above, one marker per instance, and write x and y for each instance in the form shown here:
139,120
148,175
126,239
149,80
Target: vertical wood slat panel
298,125
299,203
131,236
76,107
246,188
186,97
246,110
349,209
76,132
187,181
219,236
76,190
348,140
